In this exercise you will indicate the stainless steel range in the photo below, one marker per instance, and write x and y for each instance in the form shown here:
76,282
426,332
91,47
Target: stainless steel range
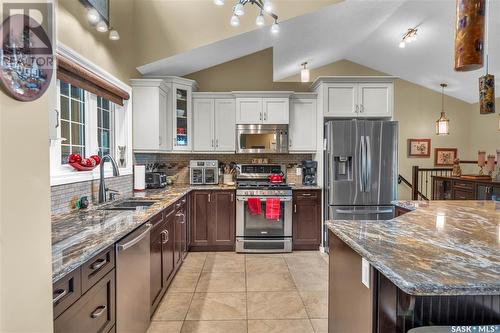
256,231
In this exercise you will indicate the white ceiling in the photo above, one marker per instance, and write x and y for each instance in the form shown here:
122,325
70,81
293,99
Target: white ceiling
363,31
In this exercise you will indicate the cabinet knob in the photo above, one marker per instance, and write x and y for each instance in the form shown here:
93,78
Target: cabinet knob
295,208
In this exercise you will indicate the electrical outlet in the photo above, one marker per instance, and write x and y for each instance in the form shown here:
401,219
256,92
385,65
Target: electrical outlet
365,272
298,171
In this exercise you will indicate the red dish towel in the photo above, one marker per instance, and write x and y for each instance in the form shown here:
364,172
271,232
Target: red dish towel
254,206
273,208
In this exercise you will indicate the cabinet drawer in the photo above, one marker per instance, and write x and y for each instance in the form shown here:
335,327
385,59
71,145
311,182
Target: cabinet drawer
93,312
94,269
66,291
156,219
463,185
307,195
463,195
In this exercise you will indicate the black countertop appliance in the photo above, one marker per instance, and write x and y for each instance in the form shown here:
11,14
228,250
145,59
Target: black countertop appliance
309,173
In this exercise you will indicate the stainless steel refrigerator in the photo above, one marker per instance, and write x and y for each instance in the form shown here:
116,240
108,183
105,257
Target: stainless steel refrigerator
360,170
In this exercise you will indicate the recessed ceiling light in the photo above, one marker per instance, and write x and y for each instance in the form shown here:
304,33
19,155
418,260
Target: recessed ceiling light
219,2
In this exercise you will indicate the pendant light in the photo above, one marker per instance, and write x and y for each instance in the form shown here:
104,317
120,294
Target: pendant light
487,82
469,35
443,123
304,73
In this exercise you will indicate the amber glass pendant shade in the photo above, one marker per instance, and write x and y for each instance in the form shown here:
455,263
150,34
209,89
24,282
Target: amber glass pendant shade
487,94
469,35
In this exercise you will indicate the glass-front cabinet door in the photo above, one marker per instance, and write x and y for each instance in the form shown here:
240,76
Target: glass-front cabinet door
182,117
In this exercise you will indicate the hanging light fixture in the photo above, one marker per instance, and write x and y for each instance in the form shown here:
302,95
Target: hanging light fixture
409,36
443,123
265,7
93,16
469,35
487,82
260,21
304,73
101,26
113,34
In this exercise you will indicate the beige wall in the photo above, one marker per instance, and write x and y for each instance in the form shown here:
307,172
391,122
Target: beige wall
416,108
484,131
25,229
116,57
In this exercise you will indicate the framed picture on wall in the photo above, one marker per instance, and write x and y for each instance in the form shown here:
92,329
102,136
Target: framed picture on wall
444,156
419,147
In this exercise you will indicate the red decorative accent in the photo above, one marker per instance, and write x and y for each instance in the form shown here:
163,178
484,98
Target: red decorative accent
80,167
273,208
254,206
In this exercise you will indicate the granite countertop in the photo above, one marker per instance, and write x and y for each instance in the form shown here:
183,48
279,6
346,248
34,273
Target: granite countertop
79,235
304,187
409,204
440,248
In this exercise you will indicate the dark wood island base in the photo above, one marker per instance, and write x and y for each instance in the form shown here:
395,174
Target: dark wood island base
385,308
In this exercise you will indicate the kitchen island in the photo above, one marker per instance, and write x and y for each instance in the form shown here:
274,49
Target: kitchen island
438,264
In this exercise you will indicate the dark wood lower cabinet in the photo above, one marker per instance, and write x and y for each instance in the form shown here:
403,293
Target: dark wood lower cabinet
456,188
398,211
162,263
213,215
306,219
93,312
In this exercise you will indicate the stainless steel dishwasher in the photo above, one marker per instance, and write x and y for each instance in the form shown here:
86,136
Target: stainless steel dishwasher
132,282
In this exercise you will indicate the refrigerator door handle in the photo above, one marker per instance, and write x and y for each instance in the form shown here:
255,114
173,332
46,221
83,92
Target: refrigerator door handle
376,211
362,165
368,178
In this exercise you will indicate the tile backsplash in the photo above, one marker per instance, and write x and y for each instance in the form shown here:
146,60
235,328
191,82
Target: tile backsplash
177,164
63,197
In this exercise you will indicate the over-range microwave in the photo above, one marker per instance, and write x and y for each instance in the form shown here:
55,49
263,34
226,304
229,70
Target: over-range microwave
252,139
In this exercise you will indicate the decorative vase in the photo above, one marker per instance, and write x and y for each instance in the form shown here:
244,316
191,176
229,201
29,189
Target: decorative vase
487,94
469,35
481,161
490,164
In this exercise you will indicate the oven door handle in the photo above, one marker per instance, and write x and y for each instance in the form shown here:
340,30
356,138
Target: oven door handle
282,199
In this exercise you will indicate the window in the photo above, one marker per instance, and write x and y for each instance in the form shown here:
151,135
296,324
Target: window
87,123
104,126
72,106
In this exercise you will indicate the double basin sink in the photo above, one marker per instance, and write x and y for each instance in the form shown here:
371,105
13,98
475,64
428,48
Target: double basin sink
130,204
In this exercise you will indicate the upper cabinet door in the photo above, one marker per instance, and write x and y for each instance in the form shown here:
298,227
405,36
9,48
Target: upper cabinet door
342,100
182,117
376,100
303,124
275,110
249,110
203,123
225,125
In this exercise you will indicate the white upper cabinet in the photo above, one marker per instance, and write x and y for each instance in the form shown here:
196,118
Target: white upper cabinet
356,97
182,116
203,123
150,118
249,110
375,99
225,125
342,99
275,110
303,124
260,107
214,123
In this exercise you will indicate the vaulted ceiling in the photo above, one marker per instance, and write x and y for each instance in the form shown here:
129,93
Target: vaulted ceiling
363,31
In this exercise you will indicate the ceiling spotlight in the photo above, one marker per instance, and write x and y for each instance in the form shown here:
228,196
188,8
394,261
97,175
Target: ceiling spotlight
275,28
408,37
268,6
113,34
235,20
238,9
93,16
260,21
219,2
304,73
101,26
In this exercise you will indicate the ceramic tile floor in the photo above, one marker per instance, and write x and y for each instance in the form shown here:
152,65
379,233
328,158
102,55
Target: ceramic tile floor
225,292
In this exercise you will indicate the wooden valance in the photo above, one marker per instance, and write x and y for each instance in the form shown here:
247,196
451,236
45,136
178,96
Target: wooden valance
76,75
